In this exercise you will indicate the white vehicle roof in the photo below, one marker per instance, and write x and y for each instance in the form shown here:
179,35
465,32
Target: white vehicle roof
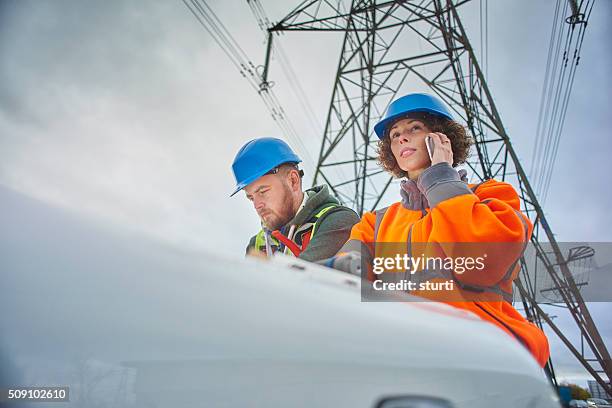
128,322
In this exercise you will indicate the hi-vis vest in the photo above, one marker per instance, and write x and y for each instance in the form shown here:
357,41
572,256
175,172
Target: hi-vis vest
307,231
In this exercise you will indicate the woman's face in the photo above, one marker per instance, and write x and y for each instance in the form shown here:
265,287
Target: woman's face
408,145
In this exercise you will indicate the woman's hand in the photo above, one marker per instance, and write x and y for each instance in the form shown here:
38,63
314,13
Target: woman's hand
442,149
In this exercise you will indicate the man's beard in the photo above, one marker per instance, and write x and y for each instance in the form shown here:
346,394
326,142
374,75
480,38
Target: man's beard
285,213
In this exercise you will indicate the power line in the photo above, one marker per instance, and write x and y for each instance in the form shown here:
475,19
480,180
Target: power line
549,58
484,36
561,66
263,22
232,49
565,102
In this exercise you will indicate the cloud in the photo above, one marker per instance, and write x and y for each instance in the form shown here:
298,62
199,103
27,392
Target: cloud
130,113
118,111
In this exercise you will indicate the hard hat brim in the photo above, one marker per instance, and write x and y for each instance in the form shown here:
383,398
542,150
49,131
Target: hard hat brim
256,176
381,126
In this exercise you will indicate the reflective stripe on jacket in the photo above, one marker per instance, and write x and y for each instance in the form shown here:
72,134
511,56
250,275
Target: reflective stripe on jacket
307,229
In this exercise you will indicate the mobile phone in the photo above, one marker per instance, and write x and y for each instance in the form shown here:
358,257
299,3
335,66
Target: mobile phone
430,146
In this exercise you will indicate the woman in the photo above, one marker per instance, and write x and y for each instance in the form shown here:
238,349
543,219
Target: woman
440,215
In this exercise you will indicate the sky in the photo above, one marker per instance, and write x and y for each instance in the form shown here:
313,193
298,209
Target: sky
128,113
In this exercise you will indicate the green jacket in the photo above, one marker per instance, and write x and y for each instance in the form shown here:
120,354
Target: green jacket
332,224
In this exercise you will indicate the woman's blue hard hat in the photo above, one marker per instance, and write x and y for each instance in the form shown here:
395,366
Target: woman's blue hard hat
416,102
258,157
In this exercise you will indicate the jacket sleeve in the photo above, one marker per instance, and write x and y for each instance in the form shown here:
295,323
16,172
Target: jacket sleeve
363,230
331,234
358,250
361,236
487,222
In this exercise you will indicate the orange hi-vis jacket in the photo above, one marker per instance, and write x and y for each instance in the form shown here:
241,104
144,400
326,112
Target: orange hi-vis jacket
441,215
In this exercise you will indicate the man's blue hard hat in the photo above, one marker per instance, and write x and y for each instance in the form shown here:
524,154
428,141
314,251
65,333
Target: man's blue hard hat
415,102
258,157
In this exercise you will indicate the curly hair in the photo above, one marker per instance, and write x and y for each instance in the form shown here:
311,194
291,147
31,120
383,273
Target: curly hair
460,142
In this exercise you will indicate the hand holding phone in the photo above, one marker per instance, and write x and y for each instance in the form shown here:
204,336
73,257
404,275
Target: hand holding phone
439,144
429,143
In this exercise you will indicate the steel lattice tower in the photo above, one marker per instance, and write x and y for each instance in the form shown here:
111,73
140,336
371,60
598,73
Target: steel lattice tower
423,43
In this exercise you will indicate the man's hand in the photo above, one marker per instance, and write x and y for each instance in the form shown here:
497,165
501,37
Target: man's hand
256,254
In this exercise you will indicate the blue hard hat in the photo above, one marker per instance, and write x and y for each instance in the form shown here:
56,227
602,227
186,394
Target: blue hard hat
415,102
258,157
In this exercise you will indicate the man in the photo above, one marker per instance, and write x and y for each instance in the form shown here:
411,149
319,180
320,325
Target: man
310,224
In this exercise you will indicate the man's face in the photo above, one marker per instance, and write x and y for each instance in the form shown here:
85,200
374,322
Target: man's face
272,198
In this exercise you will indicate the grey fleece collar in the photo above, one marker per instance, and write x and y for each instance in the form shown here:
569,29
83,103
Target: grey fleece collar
413,192
412,198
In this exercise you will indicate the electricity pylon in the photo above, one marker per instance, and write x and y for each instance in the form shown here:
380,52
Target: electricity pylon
404,46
